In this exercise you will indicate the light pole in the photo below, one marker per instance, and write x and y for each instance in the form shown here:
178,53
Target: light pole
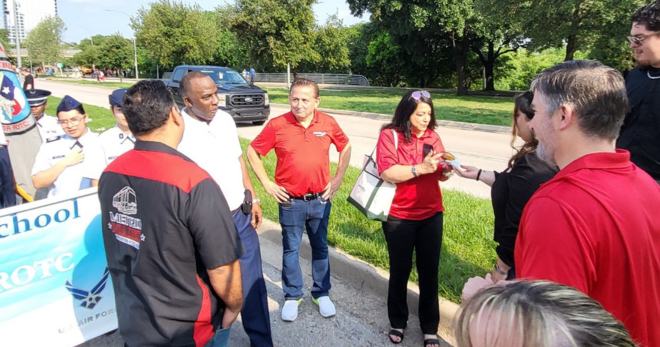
135,58
134,42
17,35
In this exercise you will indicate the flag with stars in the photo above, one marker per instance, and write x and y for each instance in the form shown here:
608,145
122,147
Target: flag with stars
13,103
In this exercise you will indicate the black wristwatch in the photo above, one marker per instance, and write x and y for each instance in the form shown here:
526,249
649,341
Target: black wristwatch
413,169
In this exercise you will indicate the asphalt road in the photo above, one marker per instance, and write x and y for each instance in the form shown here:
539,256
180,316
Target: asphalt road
487,150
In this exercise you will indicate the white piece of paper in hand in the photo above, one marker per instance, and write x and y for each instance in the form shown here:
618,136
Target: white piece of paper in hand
456,164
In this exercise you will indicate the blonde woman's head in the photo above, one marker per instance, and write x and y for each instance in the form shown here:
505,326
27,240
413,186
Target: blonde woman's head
536,313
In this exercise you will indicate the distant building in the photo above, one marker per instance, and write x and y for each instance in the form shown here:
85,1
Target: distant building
17,29
5,12
29,14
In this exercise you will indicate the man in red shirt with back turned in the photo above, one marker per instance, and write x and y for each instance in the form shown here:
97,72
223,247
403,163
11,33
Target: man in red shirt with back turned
303,188
595,225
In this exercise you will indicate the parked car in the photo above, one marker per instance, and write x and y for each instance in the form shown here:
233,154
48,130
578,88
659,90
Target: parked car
244,101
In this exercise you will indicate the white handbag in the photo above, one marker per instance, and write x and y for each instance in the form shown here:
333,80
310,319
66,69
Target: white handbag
371,194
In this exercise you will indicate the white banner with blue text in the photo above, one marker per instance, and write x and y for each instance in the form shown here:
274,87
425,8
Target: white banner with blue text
55,289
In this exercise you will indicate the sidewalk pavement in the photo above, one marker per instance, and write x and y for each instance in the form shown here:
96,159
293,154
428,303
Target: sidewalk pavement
359,291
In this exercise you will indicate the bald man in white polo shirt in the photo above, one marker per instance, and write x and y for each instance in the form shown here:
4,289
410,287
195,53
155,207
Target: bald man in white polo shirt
210,139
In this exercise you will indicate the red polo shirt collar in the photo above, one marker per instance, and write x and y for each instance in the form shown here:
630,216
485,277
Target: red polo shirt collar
601,160
291,118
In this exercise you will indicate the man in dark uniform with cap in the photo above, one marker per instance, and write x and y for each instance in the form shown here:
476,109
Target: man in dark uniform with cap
7,183
47,125
72,161
118,139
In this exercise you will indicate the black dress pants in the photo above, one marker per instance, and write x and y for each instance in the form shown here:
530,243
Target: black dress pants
425,238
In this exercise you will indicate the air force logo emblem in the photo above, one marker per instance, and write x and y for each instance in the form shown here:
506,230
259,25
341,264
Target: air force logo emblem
89,299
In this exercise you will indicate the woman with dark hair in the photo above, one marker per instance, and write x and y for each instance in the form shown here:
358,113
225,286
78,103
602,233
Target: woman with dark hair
512,188
409,154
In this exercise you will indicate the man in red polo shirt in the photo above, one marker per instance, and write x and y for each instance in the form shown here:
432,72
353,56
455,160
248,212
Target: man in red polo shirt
595,225
303,188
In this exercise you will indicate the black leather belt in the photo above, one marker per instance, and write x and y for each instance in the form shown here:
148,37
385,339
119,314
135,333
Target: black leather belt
307,197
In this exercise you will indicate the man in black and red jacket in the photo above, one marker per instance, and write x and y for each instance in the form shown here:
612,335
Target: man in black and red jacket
169,236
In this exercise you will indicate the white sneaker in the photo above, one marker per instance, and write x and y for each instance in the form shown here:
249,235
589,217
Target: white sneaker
290,310
326,307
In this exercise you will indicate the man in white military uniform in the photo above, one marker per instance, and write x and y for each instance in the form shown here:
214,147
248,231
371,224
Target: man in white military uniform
210,139
118,139
47,125
72,161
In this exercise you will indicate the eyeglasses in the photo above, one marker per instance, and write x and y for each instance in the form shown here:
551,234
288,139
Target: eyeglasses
418,94
73,121
639,39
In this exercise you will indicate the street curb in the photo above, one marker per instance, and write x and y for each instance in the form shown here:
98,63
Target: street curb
445,123
362,274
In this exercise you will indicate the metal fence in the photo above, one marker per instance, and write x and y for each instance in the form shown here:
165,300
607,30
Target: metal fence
321,78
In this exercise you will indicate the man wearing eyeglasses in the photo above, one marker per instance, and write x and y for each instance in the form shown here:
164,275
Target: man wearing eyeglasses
640,133
70,162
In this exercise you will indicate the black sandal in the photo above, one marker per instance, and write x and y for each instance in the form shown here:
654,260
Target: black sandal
431,342
394,332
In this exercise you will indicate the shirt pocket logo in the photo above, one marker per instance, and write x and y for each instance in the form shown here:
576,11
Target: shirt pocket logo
320,133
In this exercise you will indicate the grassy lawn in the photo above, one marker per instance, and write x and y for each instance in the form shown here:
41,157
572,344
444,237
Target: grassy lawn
467,248
95,83
471,109
494,110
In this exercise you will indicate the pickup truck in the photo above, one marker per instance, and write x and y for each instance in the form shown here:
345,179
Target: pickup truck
245,102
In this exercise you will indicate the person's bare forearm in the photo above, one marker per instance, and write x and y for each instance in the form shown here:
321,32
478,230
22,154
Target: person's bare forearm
247,182
45,178
226,282
344,161
257,166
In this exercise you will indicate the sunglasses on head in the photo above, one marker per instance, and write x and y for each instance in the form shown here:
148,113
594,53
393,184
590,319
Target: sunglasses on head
418,94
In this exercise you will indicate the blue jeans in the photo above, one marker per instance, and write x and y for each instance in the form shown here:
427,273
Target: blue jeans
220,338
295,217
254,313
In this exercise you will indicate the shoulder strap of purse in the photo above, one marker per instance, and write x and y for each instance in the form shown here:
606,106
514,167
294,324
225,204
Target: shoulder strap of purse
396,140
396,143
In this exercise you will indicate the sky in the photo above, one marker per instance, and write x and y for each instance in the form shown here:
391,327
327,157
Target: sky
84,18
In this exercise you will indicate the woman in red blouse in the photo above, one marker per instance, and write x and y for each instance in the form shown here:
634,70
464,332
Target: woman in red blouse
415,165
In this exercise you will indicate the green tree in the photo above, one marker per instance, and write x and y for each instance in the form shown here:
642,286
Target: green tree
89,51
358,37
517,70
611,47
230,50
4,38
331,42
384,56
173,33
431,35
116,52
277,32
573,24
494,35
45,40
